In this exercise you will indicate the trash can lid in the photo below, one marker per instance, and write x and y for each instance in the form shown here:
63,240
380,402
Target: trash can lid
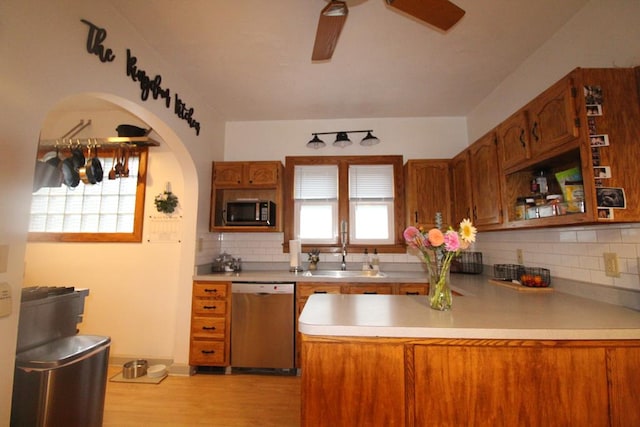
61,352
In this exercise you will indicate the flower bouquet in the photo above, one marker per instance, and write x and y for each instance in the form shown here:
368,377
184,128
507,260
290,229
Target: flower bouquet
437,250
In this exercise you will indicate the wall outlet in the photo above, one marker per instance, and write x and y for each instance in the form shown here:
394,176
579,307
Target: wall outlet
519,256
611,268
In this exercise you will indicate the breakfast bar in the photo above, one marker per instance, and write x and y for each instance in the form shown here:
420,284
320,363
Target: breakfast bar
499,357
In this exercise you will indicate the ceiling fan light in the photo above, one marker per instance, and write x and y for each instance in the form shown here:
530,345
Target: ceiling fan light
315,142
336,8
342,140
369,140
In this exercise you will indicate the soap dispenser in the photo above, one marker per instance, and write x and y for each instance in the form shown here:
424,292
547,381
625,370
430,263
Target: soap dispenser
366,262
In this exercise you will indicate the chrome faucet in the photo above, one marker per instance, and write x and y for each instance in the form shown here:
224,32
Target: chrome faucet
343,237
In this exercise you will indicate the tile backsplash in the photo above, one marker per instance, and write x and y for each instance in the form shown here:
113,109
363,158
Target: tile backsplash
572,252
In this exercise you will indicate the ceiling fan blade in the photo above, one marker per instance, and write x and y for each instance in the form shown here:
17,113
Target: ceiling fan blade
330,23
439,13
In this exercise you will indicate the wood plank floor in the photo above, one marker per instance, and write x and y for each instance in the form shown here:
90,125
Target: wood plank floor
205,400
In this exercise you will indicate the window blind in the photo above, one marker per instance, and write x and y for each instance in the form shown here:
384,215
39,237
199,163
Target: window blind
316,182
367,182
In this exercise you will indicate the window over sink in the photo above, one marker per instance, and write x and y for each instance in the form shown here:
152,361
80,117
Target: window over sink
361,195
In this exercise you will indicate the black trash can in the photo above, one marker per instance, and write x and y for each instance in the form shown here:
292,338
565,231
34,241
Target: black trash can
61,383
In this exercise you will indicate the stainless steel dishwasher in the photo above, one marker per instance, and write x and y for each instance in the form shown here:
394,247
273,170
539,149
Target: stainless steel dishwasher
262,325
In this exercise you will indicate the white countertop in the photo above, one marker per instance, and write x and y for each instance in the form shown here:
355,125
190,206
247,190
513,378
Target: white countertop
285,276
485,311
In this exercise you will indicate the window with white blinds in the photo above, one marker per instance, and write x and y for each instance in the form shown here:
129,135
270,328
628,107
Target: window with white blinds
316,203
371,202
109,208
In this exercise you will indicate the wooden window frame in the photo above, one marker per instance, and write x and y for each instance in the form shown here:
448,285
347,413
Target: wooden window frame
343,163
133,237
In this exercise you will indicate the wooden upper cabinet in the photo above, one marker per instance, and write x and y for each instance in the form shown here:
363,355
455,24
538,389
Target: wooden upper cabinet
553,120
427,192
485,181
246,173
231,181
513,140
461,198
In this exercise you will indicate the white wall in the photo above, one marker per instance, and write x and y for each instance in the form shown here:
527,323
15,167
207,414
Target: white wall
44,60
605,33
414,138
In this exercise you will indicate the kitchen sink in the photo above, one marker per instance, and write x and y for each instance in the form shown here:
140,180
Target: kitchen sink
343,273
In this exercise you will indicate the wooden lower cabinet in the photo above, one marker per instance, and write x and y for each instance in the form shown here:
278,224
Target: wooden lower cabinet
210,324
306,289
449,382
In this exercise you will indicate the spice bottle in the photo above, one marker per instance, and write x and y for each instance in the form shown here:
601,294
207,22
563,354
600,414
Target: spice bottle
521,208
375,262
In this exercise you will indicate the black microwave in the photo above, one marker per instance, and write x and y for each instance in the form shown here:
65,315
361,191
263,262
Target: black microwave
249,212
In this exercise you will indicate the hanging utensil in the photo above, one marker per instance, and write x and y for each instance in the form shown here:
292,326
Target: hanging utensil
112,172
125,167
119,164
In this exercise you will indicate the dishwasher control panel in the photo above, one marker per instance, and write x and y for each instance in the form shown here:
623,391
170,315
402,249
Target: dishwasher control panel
262,288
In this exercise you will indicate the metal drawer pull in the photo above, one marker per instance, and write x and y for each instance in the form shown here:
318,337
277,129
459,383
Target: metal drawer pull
370,293
209,307
319,292
209,328
412,293
208,351
211,290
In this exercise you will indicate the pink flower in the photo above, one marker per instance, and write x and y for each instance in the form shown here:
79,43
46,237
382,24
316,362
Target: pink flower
413,237
451,241
436,238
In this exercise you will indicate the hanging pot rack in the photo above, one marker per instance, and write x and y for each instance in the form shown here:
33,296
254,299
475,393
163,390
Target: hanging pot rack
69,140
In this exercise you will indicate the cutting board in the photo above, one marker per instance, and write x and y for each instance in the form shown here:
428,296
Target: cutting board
518,287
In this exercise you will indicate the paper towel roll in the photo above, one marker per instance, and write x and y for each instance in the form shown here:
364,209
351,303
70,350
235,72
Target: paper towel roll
294,253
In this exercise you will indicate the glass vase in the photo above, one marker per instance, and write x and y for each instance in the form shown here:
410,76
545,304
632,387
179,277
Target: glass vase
440,297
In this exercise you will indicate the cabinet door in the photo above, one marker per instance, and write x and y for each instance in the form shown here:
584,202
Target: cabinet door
262,173
427,192
461,188
513,140
553,118
227,174
485,182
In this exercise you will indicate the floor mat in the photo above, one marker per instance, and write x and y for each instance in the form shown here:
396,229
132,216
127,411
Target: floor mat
118,378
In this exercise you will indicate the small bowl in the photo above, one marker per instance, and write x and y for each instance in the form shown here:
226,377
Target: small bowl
135,369
157,371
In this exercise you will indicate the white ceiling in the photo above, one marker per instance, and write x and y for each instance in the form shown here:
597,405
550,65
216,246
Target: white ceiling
251,59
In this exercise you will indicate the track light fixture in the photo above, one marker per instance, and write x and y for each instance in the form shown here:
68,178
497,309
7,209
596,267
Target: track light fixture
342,139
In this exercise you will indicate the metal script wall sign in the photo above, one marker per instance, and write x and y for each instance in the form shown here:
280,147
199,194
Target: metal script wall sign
148,86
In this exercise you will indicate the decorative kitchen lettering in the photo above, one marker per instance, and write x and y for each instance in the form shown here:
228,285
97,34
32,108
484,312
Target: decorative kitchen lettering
185,113
94,42
148,86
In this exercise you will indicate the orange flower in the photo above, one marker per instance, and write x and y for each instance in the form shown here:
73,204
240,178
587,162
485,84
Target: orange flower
436,238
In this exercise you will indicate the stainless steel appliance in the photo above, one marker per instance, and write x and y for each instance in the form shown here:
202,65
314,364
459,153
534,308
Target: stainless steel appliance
262,325
60,377
249,212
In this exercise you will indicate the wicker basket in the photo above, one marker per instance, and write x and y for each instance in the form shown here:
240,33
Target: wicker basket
467,262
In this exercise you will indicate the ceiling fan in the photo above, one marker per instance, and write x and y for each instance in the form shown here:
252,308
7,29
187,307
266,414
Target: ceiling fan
440,13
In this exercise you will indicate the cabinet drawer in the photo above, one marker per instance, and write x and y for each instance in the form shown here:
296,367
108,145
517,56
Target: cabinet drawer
371,289
304,291
413,289
208,327
210,290
205,352
209,306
